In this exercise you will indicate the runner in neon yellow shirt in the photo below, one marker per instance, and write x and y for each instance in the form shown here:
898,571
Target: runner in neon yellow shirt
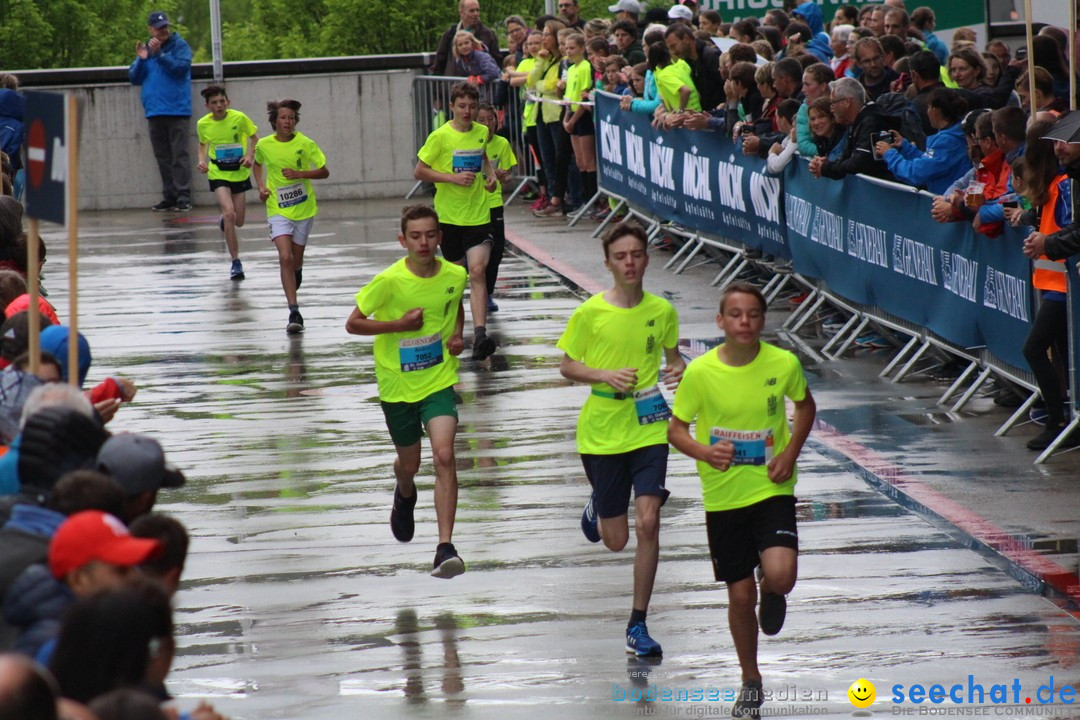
292,160
414,310
746,459
614,342
454,158
227,140
674,81
502,159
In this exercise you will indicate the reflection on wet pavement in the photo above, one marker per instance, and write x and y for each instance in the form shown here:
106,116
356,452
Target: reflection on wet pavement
299,604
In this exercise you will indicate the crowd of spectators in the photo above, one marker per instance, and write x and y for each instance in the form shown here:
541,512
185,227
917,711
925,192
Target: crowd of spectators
873,91
87,568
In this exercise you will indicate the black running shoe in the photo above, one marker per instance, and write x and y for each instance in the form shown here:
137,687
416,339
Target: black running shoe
183,206
296,323
772,609
401,517
164,206
299,274
447,562
483,347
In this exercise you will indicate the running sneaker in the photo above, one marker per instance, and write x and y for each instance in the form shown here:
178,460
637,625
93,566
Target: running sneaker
772,609
183,206
401,516
549,211
540,203
874,341
483,347
296,323
492,305
1038,415
529,195
299,274
236,272
221,222
590,523
638,641
1049,434
800,298
164,206
750,700
447,562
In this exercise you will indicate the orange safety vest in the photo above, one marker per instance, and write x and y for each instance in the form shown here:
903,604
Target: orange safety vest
1045,279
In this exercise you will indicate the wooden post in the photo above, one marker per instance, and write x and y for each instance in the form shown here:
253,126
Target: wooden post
73,238
1030,61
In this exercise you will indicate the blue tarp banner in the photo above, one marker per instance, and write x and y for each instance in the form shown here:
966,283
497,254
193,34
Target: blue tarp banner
696,179
873,244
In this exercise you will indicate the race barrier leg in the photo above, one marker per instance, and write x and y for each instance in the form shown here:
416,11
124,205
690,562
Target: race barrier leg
970,392
899,357
958,383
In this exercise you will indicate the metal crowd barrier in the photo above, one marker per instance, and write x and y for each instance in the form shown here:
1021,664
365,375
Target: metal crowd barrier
431,109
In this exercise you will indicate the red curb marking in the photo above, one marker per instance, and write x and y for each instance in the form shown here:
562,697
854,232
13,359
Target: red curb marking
559,267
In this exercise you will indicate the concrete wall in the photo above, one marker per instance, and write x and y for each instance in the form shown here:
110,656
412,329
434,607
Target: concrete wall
363,121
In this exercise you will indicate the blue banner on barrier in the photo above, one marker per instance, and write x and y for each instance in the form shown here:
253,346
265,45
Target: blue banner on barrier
872,244
694,178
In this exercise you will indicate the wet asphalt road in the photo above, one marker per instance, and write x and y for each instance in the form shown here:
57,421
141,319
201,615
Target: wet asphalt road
298,603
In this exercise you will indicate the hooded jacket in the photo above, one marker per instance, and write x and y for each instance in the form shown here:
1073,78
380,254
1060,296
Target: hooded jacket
12,131
34,606
946,158
165,78
819,45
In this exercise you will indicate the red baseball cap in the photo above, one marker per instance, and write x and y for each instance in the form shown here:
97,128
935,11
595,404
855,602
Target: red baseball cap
94,535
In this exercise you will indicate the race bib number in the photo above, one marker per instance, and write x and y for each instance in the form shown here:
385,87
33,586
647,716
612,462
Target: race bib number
468,161
752,447
651,406
228,157
290,195
420,353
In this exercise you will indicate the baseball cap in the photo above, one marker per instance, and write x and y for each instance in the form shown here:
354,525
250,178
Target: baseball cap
680,12
158,19
632,6
137,462
94,535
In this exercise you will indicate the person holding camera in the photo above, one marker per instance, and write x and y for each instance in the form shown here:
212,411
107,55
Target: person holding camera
945,157
866,125
163,69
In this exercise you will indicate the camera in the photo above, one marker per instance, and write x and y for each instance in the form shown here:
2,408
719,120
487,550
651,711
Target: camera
746,129
883,136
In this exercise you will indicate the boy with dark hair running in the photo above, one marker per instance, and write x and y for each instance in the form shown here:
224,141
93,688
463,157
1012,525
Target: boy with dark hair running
746,459
615,342
454,158
227,140
502,159
414,310
292,161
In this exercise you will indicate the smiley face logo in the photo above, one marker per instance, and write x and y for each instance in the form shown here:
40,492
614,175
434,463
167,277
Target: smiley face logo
862,693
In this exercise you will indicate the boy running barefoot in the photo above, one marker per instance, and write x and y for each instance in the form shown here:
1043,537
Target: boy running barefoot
292,160
614,342
227,140
414,310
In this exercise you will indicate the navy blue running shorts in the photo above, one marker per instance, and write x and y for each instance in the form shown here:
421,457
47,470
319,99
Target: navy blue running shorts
612,476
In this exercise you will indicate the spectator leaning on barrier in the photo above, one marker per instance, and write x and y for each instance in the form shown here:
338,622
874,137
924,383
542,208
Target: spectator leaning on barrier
945,158
1010,129
829,136
704,61
1066,241
780,153
864,121
163,69
967,68
469,12
470,60
989,171
815,84
787,82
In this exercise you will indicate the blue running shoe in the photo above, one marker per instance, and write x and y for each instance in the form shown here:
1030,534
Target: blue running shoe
492,306
639,642
589,523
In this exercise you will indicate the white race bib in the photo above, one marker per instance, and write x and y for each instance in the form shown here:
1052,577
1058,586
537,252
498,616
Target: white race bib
290,195
752,447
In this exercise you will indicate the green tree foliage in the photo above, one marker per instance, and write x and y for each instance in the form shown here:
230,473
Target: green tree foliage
82,33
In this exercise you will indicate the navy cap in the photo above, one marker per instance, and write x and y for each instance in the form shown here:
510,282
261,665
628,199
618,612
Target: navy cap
158,19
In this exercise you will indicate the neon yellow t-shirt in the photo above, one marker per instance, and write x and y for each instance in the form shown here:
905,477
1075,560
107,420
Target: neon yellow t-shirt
607,337
226,142
409,366
579,78
668,82
745,405
501,156
528,114
449,151
294,199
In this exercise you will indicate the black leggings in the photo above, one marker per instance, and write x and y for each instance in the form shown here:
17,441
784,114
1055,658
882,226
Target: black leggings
498,246
1048,330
